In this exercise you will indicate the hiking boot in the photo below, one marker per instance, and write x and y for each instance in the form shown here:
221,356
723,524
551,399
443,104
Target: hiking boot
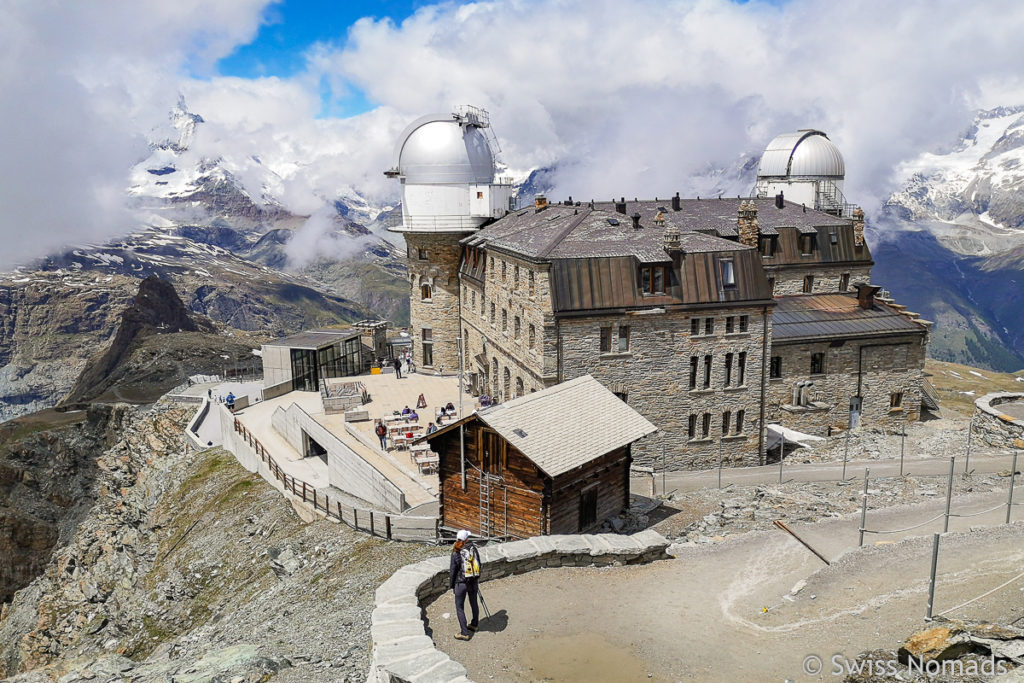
460,636
472,627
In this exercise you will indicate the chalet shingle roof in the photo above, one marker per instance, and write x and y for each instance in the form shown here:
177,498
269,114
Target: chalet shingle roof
567,425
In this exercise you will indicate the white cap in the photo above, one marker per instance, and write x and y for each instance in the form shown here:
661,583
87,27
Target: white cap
462,535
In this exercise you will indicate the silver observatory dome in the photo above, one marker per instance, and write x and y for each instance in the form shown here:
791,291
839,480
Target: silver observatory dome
438,149
803,153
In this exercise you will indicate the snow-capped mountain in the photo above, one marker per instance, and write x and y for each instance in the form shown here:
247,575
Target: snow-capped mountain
950,242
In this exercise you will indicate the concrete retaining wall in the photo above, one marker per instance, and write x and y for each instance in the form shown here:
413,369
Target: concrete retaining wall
402,651
995,427
192,430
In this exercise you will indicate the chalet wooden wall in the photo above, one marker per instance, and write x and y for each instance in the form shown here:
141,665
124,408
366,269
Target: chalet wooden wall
610,475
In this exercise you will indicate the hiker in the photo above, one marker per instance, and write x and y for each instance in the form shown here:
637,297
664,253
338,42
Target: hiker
431,428
421,402
450,408
382,433
405,412
230,400
464,575
398,368
414,416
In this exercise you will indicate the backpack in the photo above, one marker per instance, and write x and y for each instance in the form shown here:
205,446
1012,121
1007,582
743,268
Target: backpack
381,430
470,562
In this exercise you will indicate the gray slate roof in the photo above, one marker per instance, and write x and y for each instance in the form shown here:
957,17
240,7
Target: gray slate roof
584,231
832,316
567,425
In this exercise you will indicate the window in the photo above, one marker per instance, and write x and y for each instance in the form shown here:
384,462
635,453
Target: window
483,305
740,414
493,310
606,340
775,368
425,293
707,372
744,323
691,428
622,396
421,253
473,299
725,422
807,244
844,282
730,325
709,325
491,264
728,273
653,279
520,391
766,244
517,327
817,363
532,283
771,285
533,336
504,270
694,327
504,320
741,370
833,236
705,425
694,363
515,277
896,399
427,346
728,369
623,338
808,284
588,508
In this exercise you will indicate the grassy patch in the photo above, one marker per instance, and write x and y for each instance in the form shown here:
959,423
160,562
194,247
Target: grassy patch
958,386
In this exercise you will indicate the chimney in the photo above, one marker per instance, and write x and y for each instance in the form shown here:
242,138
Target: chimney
540,202
746,224
866,294
672,242
675,202
636,221
620,206
780,201
858,227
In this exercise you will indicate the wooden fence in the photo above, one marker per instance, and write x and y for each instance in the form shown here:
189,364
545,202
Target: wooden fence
375,522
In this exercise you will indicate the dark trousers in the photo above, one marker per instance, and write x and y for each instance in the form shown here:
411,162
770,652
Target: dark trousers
461,591
398,372
383,442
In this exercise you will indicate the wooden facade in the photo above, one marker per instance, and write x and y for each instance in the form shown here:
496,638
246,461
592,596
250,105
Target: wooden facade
508,496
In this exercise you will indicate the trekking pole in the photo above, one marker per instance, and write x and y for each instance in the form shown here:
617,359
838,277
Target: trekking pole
483,603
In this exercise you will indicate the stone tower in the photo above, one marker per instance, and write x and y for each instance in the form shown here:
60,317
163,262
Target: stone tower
445,163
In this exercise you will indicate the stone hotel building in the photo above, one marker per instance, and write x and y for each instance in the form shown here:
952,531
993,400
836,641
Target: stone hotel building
711,317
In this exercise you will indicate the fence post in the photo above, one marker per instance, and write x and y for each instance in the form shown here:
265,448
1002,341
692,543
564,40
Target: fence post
970,433
371,524
846,450
903,443
931,581
387,525
355,518
1013,475
864,507
782,454
303,490
719,463
314,499
949,493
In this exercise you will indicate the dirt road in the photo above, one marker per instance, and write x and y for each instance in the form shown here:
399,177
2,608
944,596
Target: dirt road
727,611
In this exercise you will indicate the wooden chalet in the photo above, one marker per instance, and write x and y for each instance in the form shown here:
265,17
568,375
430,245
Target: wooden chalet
551,462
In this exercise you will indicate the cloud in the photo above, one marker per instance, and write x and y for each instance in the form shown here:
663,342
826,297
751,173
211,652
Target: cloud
635,98
319,239
80,82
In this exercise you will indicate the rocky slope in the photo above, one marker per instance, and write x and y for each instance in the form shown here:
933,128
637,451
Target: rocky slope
139,592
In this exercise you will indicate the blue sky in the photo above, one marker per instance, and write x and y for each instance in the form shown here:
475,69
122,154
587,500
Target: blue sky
292,26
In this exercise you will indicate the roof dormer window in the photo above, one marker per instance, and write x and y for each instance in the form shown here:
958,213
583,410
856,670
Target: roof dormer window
728,270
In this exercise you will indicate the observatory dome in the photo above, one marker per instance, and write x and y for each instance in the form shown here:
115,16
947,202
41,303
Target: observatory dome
442,151
803,153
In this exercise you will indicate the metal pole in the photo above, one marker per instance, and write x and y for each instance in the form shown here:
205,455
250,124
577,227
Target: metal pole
664,487
903,443
846,451
949,493
1013,475
864,507
931,582
782,453
719,463
970,433
462,434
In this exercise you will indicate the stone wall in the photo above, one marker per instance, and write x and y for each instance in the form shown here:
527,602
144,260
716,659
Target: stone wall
534,364
826,278
888,365
402,651
996,428
439,313
654,376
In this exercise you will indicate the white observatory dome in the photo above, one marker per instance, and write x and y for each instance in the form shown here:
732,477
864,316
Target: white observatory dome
800,154
443,151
